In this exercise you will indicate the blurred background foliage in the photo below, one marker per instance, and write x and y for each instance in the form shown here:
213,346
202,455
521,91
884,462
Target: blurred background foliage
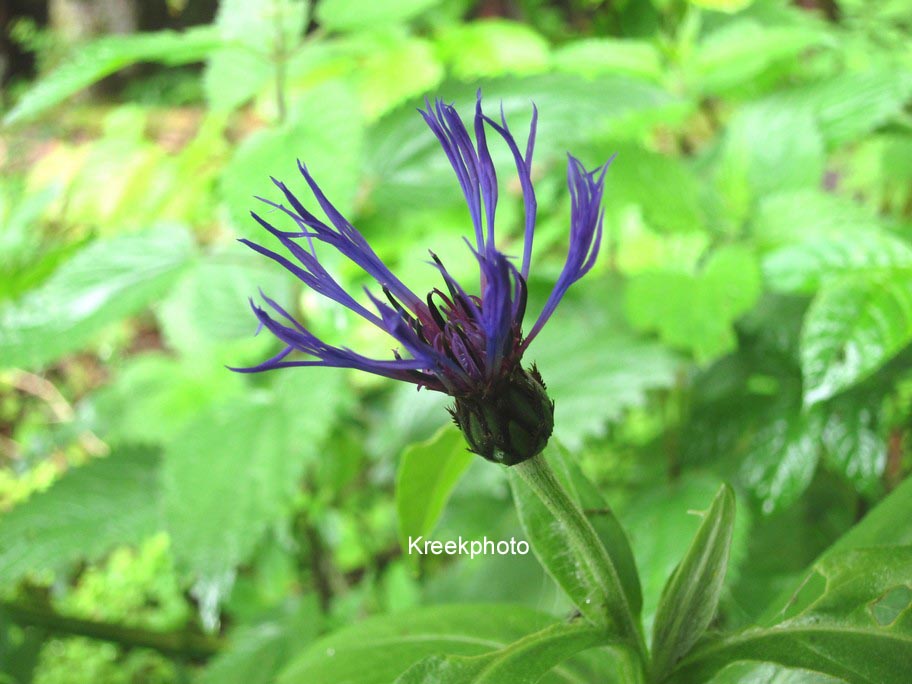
165,520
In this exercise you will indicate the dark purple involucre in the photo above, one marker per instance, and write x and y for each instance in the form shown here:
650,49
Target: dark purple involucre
468,346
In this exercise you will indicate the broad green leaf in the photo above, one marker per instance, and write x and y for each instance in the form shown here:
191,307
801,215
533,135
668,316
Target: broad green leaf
813,216
493,47
769,673
394,69
885,525
110,501
210,305
406,166
232,471
349,15
782,458
853,327
740,53
381,648
768,148
597,56
152,396
852,103
858,627
323,131
552,540
255,654
853,448
664,189
233,76
250,31
107,55
594,366
806,266
427,474
729,6
691,596
696,312
522,662
102,283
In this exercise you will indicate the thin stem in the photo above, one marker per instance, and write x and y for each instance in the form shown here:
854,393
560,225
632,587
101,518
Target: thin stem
181,645
582,541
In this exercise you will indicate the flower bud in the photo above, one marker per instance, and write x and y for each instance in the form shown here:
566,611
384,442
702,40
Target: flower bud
509,423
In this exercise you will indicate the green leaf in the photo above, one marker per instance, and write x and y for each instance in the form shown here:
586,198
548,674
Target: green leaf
808,265
853,448
493,47
152,396
232,471
782,458
349,15
595,367
691,596
323,131
660,526
210,305
107,55
233,76
428,473
548,538
741,52
697,312
729,6
853,327
522,662
856,628
110,501
664,189
812,216
406,166
885,525
598,56
849,105
256,653
104,282
394,69
381,648
768,148
250,32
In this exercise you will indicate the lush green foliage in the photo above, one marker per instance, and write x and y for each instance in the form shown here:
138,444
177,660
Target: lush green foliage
741,348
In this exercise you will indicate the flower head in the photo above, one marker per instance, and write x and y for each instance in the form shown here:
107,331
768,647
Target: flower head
466,345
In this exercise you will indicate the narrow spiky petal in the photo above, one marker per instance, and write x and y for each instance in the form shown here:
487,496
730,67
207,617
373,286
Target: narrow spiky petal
585,234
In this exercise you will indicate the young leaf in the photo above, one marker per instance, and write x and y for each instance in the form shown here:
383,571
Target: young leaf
852,328
111,500
427,474
381,648
691,596
522,662
858,628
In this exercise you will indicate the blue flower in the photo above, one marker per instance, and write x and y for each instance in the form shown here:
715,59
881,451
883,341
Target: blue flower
466,345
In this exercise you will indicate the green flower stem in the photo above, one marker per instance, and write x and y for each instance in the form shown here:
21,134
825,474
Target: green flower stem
608,606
